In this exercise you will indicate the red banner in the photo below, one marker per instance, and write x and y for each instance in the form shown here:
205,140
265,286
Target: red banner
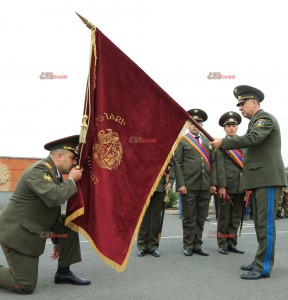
132,127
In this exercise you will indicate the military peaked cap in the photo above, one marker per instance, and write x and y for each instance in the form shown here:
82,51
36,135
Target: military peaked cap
230,117
68,143
198,114
245,92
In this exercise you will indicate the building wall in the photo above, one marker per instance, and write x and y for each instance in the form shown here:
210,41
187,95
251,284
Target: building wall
11,169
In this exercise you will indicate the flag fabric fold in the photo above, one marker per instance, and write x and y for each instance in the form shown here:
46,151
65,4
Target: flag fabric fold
132,125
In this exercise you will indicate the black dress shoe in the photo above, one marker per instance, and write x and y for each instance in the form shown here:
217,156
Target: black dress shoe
188,252
279,216
155,253
201,252
248,267
254,275
70,278
235,250
142,252
223,251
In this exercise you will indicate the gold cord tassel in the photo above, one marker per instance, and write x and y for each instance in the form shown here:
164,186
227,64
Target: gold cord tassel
84,129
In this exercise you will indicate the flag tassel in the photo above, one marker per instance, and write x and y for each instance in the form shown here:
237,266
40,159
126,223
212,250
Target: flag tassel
84,129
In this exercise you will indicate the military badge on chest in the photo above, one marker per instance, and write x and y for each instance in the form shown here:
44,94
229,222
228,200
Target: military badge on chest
47,177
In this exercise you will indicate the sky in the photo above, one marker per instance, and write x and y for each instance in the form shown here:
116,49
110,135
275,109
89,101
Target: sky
177,43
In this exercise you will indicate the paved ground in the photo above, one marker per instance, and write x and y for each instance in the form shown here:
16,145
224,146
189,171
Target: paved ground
173,275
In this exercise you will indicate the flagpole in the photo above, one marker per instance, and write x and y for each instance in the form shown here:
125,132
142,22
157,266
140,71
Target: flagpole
86,22
85,118
210,138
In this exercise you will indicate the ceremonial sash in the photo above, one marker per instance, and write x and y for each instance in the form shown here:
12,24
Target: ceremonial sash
198,146
237,155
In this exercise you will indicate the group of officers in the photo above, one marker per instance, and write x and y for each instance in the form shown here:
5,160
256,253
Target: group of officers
200,170
235,168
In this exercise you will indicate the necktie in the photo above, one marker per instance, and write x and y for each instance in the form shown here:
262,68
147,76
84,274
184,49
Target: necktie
198,138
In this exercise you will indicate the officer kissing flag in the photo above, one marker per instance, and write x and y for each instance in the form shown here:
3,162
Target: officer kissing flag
129,127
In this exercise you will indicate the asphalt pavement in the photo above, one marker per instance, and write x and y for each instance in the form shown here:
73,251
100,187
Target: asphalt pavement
172,275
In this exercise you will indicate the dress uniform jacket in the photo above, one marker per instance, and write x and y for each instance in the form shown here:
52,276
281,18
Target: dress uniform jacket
228,175
190,168
34,207
263,164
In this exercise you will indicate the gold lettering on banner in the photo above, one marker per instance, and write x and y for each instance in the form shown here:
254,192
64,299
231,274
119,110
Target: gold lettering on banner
93,177
109,117
109,152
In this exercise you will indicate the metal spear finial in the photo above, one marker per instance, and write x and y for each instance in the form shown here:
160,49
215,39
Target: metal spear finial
86,22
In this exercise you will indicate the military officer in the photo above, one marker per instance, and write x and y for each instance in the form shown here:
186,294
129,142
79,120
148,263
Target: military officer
194,166
148,234
34,214
263,174
230,192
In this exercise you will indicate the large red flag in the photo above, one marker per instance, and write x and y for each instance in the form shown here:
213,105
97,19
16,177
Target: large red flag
132,125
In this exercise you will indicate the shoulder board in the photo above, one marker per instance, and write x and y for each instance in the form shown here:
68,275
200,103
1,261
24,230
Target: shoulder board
48,165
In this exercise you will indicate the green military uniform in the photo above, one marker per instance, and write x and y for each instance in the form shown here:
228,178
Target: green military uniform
263,173
229,177
33,211
194,173
148,234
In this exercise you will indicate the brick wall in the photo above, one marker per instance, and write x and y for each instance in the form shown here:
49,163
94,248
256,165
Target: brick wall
11,169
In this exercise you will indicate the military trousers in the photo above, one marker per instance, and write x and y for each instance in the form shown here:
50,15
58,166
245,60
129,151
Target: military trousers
195,205
148,234
229,217
265,202
22,274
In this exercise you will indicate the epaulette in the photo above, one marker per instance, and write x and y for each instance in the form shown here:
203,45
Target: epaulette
48,165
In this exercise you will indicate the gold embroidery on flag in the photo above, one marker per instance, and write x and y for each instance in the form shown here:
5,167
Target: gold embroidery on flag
109,152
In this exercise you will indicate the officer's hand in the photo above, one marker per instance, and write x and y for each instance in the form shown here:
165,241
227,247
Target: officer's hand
222,192
168,187
217,143
56,251
213,190
75,174
182,190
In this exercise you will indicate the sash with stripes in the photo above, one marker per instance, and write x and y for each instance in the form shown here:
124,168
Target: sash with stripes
199,147
238,156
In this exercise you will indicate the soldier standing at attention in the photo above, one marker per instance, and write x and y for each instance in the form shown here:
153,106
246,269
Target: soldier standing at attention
194,166
263,174
230,192
34,214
